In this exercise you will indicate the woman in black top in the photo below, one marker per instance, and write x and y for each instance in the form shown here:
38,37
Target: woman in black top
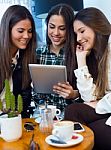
17,50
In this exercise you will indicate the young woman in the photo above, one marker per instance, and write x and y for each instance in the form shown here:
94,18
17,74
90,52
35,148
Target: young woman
17,50
93,52
59,51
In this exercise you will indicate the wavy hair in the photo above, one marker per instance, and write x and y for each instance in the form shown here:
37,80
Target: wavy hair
13,15
97,60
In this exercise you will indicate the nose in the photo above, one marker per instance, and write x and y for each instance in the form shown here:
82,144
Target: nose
78,37
56,31
26,34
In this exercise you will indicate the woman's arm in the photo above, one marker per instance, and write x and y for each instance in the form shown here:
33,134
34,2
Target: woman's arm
85,84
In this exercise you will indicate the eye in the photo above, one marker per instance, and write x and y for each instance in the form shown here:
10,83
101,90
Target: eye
82,31
51,26
62,28
30,31
20,30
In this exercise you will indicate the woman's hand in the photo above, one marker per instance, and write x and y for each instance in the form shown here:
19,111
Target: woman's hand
65,90
81,55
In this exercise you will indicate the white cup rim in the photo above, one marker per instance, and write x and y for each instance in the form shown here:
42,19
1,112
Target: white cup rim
62,122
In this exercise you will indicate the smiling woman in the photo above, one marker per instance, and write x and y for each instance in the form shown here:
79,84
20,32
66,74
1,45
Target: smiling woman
21,34
93,32
17,46
59,50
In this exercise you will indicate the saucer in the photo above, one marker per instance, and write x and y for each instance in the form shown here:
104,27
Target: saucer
72,142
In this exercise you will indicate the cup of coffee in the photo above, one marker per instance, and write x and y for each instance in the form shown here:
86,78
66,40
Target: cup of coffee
53,108
55,111
63,130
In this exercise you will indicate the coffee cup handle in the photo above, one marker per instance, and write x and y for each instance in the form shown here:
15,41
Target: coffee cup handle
58,112
55,132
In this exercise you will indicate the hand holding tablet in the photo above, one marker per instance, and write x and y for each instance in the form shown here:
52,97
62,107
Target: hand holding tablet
44,77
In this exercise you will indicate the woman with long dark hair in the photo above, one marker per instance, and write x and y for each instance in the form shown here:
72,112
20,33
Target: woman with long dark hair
17,50
59,50
93,53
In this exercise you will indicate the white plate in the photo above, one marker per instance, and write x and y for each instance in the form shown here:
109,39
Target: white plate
71,142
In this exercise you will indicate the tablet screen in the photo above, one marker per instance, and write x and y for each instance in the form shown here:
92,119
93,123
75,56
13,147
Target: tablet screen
45,76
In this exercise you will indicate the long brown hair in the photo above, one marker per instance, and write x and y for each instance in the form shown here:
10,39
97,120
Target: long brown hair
67,13
13,15
97,60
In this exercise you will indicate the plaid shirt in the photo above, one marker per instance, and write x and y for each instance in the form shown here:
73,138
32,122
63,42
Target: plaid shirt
44,56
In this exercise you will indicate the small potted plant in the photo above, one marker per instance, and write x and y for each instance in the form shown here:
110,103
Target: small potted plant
8,105
11,122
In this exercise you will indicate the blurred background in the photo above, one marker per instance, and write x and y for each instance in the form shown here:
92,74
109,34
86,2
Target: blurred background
40,8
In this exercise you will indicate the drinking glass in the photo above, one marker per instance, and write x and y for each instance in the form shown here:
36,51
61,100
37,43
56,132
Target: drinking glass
46,123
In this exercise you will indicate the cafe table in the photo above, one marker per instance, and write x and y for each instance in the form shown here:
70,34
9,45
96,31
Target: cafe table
23,142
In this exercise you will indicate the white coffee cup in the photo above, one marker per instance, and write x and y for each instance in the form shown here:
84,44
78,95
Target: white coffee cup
55,111
63,130
53,108
11,128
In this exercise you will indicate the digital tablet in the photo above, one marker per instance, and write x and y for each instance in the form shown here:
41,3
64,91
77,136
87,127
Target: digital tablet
45,76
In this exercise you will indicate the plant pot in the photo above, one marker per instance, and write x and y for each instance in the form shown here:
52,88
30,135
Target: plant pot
11,128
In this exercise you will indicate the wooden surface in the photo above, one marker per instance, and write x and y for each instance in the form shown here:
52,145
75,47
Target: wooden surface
22,144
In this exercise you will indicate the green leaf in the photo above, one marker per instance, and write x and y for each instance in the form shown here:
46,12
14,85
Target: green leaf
12,102
20,103
7,95
1,106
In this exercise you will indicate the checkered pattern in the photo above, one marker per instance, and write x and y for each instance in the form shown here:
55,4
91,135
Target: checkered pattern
44,56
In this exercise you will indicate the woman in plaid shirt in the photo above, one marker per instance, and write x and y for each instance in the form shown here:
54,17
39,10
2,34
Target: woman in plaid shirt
59,50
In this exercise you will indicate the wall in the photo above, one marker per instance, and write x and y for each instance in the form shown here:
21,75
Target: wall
103,5
4,4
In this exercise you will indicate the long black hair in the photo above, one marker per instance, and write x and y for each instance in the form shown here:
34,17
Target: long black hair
13,15
67,13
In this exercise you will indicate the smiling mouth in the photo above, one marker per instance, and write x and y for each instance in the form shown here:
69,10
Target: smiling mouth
56,38
24,42
83,43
